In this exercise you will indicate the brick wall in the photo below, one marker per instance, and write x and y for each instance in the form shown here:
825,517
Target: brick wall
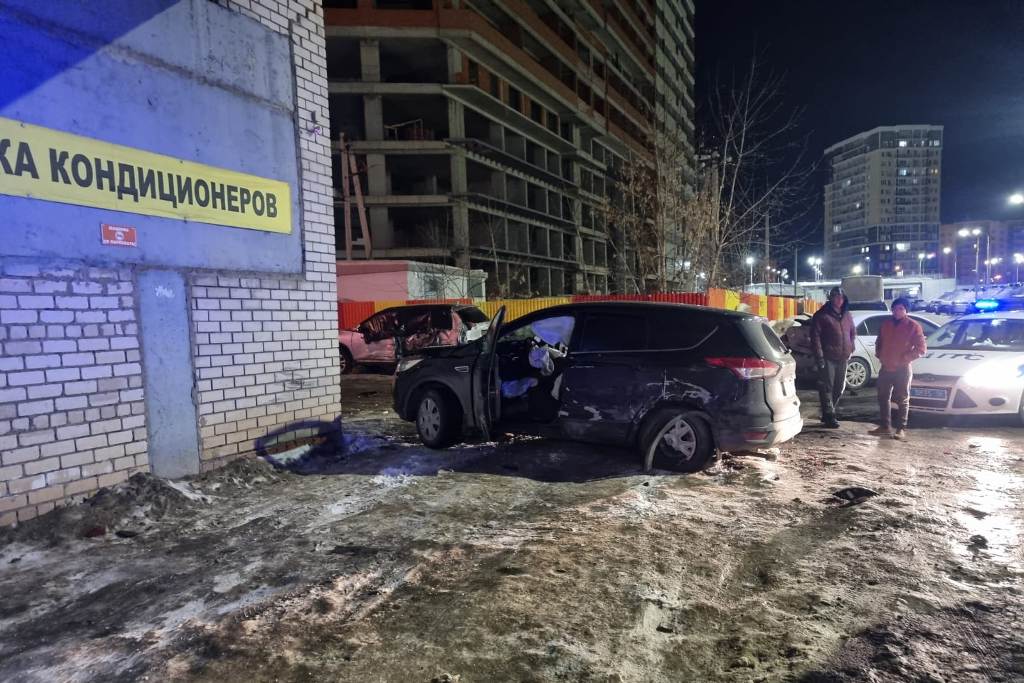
72,402
71,397
266,349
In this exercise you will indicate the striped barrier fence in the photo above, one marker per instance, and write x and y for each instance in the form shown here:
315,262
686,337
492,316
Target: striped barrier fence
351,313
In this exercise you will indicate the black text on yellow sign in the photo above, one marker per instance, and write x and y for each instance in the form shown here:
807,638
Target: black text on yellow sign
42,163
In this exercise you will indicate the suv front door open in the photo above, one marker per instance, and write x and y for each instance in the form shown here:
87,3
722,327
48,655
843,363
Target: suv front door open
486,397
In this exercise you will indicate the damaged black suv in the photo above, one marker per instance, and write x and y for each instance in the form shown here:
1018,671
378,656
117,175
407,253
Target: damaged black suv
675,381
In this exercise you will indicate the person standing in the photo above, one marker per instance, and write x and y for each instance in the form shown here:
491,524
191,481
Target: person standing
900,342
832,337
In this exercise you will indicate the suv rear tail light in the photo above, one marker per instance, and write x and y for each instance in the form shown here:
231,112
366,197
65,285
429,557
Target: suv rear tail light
746,368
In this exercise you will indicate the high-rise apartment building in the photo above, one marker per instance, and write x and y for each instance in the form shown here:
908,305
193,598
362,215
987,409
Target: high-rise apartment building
882,200
982,252
485,133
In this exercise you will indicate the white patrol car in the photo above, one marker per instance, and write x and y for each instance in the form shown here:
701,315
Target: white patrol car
974,366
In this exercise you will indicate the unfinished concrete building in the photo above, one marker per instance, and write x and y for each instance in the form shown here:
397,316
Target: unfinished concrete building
485,132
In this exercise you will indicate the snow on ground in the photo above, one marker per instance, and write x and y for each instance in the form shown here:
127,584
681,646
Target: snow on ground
535,560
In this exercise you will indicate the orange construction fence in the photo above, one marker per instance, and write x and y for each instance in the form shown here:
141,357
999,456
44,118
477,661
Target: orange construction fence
351,313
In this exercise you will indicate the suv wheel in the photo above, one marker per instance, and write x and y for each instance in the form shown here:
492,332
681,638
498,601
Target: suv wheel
676,440
345,360
437,420
858,373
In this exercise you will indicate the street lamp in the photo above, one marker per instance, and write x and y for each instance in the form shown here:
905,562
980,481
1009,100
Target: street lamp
868,259
858,269
815,263
1016,199
947,251
750,263
1017,260
920,261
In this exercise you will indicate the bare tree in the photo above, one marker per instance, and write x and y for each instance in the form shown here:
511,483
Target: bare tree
667,228
752,171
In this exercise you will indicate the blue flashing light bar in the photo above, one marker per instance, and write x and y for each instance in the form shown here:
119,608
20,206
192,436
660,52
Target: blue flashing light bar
986,304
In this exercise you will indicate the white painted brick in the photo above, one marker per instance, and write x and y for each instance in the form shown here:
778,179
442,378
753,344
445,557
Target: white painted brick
103,399
40,391
18,455
35,301
29,408
93,344
76,458
16,316
104,302
108,453
72,359
97,371
72,403
72,302
83,387
18,379
132,395
15,285
57,448
121,316
35,467
124,343
49,286
46,361
59,346
86,288
13,394
94,317
127,369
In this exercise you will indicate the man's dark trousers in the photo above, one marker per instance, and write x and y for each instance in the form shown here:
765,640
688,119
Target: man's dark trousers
831,384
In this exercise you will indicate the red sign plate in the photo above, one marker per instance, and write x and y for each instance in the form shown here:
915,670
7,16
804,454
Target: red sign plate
119,235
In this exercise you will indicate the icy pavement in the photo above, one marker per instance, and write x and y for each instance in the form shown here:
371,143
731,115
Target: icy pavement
534,560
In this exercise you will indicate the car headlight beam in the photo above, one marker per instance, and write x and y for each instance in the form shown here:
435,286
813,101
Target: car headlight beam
994,374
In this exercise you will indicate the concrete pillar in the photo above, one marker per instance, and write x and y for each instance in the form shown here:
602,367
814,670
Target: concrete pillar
373,113
381,229
498,184
454,63
377,175
369,60
456,119
496,135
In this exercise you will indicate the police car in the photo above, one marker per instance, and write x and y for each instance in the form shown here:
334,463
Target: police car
974,366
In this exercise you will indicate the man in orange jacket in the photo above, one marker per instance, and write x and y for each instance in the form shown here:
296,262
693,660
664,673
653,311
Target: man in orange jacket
900,342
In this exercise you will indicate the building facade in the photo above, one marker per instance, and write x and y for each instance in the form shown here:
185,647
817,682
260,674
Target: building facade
980,252
486,133
167,273
882,201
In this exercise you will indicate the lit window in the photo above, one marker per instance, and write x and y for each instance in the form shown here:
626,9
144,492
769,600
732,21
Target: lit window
903,143
903,171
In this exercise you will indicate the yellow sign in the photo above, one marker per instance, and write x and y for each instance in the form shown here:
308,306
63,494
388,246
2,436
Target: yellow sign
47,164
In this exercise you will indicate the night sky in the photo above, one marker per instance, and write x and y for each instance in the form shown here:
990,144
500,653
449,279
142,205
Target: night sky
856,65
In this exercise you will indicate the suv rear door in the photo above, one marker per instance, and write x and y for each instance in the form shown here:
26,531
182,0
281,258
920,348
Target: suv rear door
779,390
600,380
485,395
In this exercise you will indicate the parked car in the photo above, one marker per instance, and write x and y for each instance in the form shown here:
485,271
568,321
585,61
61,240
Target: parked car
935,305
675,381
958,304
864,364
867,306
974,366
373,341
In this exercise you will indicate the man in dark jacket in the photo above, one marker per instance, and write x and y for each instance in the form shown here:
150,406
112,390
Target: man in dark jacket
832,337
